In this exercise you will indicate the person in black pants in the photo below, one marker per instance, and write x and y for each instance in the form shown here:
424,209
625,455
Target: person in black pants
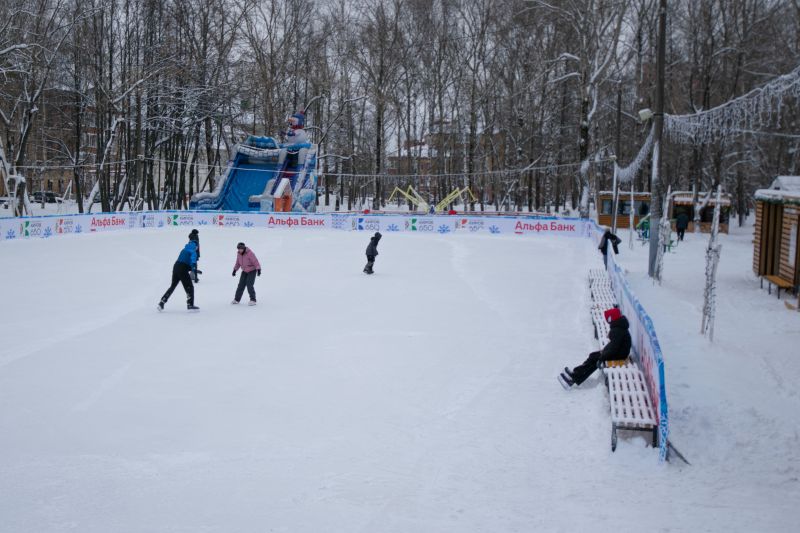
618,348
248,262
603,247
372,252
181,272
681,223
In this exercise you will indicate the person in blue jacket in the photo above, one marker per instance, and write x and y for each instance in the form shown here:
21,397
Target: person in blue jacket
182,272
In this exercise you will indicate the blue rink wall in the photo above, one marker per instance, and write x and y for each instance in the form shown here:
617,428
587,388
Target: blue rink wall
646,348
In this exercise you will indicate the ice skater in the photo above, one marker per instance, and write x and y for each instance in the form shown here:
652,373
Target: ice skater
618,348
195,236
248,262
182,273
372,252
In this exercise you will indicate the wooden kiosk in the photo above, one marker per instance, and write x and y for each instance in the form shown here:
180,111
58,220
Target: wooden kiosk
683,202
605,205
775,251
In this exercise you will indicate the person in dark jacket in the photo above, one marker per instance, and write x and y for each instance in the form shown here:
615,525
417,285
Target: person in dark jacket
181,273
618,348
195,236
372,252
603,247
681,223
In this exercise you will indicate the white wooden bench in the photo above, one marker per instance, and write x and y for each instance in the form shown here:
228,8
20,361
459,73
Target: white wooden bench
630,404
603,295
602,299
601,327
597,274
779,283
600,285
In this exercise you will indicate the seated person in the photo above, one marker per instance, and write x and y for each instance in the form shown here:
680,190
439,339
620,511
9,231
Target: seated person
617,349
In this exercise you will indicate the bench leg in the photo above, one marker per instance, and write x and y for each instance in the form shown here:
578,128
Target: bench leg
613,437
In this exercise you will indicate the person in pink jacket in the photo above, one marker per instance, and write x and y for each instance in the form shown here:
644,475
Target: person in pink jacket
248,262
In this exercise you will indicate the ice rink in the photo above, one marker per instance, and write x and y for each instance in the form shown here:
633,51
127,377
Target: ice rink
422,398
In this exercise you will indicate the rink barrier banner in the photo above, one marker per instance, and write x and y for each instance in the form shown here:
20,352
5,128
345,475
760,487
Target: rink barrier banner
57,225
646,349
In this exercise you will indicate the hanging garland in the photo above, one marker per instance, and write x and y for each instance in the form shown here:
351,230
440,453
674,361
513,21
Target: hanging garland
626,174
760,108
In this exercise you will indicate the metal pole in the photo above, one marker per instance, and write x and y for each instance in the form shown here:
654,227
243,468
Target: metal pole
617,148
658,127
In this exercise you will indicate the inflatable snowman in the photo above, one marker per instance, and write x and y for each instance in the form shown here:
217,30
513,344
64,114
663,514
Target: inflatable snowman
296,133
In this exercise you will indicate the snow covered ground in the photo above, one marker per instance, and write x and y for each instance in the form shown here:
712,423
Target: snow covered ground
420,399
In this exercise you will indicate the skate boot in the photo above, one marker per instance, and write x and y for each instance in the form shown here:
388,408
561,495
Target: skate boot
565,381
161,305
192,307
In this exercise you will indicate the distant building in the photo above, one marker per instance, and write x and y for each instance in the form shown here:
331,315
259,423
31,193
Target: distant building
683,202
605,200
777,230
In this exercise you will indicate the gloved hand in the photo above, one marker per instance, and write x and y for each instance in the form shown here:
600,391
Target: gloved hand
258,272
198,271
233,273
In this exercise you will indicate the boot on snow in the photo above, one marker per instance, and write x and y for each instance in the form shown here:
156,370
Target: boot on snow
565,381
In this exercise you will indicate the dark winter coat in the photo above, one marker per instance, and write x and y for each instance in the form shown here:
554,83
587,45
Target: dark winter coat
189,254
682,222
372,247
619,341
608,236
194,236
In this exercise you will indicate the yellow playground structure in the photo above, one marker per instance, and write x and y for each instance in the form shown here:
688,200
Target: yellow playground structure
421,204
456,193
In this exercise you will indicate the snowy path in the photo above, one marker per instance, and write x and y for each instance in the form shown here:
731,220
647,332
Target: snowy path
422,398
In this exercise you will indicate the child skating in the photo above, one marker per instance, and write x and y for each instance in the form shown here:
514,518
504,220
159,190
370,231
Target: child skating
181,273
372,252
248,262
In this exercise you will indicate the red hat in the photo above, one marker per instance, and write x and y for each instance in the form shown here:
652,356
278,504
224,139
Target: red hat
612,314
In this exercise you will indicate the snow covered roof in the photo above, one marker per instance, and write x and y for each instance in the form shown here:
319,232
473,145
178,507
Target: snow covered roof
786,183
623,192
784,189
687,197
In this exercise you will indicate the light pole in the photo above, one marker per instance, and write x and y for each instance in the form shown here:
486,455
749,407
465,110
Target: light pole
658,127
